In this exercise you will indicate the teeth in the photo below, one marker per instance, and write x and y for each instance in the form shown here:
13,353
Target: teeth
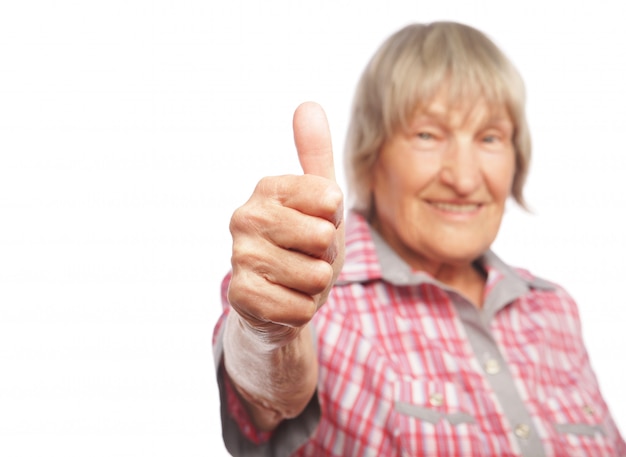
456,208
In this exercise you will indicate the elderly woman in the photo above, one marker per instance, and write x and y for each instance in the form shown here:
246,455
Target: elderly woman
427,344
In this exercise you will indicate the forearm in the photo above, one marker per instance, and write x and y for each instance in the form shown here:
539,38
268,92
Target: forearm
275,383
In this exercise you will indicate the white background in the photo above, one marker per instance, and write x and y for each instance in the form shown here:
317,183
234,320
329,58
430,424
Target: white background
129,132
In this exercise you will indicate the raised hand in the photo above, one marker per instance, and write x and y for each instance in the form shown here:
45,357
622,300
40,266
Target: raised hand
288,238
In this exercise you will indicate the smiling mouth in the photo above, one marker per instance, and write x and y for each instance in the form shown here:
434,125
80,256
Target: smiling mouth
456,207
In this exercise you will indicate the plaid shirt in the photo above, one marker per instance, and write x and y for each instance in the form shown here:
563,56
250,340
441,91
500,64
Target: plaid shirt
410,367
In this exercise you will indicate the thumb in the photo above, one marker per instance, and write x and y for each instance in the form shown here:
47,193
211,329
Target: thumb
312,136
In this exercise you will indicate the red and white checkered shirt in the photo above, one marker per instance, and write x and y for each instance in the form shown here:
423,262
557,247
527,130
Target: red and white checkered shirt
410,367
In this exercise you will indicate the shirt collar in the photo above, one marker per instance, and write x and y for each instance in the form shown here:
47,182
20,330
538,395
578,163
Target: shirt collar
370,258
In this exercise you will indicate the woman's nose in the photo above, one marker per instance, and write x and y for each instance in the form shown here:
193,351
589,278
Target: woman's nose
460,168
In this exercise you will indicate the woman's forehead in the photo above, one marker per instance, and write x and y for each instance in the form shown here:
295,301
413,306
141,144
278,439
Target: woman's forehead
476,109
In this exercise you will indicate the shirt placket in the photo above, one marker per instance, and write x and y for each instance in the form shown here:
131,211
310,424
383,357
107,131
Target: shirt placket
497,374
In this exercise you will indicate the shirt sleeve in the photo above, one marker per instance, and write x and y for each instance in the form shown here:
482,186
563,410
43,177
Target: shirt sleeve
240,436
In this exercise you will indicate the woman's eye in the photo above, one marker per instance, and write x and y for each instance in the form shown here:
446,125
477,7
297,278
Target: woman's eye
425,136
492,139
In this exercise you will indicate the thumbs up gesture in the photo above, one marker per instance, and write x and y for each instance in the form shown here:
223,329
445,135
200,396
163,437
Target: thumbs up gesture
288,238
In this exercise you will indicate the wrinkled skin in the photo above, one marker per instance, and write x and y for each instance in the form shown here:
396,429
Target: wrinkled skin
288,238
288,249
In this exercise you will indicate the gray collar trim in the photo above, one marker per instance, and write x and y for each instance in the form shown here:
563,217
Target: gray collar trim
512,286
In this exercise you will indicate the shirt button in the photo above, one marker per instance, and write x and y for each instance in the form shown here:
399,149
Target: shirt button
436,399
588,410
522,431
492,366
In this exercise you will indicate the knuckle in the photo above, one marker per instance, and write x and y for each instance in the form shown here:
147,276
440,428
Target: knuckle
250,220
328,194
257,210
243,256
249,304
239,219
239,291
266,305
332,200
322,235
305,314
320,276
268,186
334,196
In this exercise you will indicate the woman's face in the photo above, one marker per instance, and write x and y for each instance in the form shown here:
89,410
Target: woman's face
440,187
